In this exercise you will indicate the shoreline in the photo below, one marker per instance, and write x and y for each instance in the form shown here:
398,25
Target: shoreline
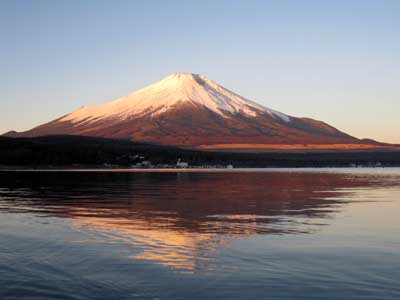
195,170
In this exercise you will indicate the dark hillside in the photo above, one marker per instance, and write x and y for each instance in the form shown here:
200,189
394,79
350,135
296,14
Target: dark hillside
89,151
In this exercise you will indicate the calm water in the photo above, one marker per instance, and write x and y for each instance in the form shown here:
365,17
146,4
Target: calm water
287,234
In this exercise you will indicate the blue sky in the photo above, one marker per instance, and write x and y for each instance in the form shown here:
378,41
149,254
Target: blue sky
337,61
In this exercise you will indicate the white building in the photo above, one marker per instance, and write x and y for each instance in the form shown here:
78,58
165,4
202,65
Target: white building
181,164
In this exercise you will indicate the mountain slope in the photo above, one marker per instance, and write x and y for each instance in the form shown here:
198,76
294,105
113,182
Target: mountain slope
190,110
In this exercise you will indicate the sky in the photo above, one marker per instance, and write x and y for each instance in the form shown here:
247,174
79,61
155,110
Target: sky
336,61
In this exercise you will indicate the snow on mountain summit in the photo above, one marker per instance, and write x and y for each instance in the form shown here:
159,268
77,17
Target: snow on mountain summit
169,92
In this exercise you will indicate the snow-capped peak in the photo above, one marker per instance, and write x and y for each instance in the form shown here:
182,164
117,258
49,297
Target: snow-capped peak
169,92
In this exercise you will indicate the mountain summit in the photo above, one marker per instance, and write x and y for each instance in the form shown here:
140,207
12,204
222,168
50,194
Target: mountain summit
170,92
186,109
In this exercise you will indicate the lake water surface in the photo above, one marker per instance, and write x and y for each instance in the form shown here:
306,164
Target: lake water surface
237,234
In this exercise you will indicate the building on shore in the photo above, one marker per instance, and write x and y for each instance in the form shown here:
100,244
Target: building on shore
181,164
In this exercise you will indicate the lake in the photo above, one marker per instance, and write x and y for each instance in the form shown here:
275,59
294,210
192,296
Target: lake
171,234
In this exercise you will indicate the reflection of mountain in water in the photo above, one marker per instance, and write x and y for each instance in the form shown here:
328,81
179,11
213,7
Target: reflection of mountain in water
177,219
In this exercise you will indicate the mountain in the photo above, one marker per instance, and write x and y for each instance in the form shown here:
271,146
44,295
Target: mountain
190,110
